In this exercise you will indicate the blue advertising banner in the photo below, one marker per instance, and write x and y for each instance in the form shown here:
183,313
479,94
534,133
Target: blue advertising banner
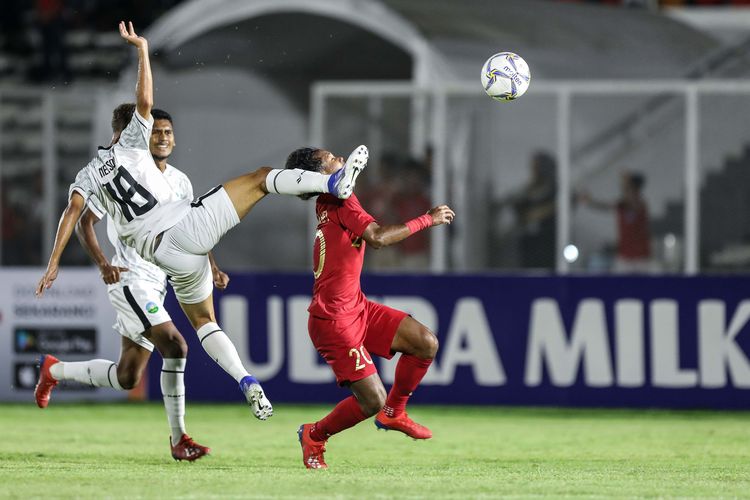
675,342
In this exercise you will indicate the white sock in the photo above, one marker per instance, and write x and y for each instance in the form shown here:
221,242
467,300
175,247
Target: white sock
95,372
296,181
173,391
216,343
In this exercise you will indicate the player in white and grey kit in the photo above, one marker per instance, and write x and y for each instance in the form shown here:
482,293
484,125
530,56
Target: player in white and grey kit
136,289
174,234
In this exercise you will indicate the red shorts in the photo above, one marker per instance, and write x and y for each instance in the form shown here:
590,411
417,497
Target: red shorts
347,345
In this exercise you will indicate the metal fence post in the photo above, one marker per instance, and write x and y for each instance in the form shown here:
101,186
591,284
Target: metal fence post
692,201
563,179
439,236
49,173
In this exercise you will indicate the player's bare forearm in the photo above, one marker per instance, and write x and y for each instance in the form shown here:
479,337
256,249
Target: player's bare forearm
144,88
585,198
221,279
64,229
66,226
601,205
378,236
87,237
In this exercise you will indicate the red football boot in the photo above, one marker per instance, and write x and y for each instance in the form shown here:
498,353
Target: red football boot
402,423
187,449
46,381
312,451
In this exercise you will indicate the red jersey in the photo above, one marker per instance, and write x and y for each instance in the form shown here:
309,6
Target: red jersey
633,228
338,254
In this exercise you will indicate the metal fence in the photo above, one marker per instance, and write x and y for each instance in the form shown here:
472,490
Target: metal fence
522,175
46,136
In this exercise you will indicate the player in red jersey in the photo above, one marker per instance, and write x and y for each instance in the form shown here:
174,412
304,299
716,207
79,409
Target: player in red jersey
347,329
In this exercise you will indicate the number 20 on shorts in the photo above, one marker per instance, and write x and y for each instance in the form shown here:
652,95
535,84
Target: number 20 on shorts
359,355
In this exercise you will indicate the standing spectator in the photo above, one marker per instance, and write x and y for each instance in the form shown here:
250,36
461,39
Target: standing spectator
413,198
381,196
633,232
535,212
14,38
50,17
12,225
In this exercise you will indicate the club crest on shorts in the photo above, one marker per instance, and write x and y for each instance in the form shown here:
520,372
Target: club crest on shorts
152,308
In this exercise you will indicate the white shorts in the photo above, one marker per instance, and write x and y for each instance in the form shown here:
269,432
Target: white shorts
182,252
139,306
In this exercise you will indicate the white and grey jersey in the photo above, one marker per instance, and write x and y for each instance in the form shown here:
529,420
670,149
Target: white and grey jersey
126,184
127,257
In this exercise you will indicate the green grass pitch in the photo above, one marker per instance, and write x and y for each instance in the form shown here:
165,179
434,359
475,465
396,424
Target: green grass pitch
121,451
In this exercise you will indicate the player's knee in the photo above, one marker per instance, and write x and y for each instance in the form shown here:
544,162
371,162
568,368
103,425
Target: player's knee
128,375
259,178
128,379
179,346
429,344
170,342
175,338
263,172
374,402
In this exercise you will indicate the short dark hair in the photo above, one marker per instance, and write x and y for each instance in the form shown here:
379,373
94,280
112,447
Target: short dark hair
305,159
121,116
160,114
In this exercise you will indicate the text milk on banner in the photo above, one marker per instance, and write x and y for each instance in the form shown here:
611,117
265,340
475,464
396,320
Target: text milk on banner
599,341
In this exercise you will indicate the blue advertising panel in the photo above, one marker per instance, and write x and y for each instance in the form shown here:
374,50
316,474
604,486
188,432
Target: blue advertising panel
677,342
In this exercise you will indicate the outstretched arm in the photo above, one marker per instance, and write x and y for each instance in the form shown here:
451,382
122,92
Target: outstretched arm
87,236
585,198
378,236
144,88
64,230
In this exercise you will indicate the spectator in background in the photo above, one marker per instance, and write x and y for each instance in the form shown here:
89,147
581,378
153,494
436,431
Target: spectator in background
12,25
12,225
21,238
633,232
379,193
403,189
535,212
413,197
50,18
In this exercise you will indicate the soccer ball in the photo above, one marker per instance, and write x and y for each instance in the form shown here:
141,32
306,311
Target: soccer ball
505,76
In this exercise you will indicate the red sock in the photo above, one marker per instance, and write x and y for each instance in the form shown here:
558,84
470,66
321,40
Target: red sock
409,372
346,414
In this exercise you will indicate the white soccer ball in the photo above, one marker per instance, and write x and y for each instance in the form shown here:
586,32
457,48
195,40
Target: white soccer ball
505,76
